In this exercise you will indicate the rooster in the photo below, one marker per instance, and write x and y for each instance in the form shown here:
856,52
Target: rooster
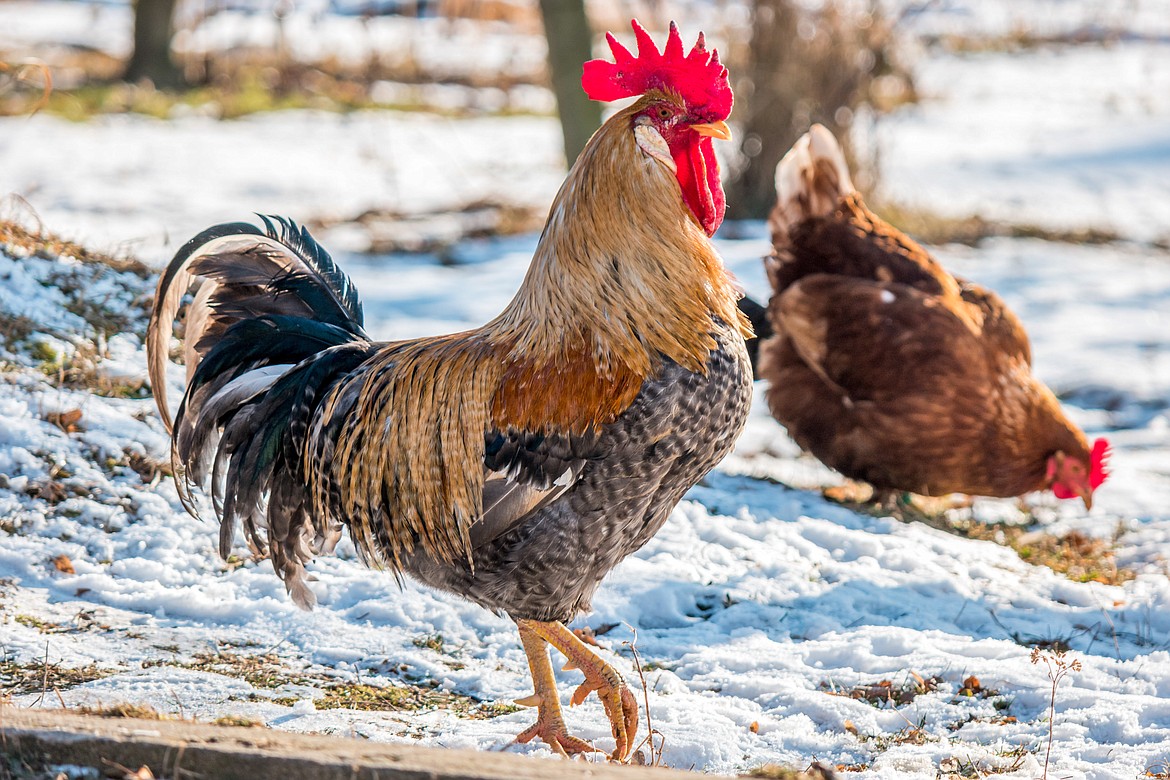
891,370
514,464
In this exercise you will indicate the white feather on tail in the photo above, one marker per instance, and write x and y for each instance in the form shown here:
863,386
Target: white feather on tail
810,180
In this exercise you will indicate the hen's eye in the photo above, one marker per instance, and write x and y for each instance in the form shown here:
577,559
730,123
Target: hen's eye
664,113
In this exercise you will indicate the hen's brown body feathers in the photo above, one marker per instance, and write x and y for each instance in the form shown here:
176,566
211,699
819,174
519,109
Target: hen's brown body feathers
887,367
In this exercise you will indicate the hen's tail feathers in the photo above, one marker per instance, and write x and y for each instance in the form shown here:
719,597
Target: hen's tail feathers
273,323
810,180
758,314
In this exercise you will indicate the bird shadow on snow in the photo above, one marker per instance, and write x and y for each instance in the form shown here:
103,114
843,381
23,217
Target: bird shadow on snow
815,569
1126,409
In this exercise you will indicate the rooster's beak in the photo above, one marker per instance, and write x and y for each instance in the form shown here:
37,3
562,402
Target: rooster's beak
718,130
1086,495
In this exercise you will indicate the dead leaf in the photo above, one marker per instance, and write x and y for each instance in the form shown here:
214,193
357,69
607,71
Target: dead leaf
586,635
852,729
63,564
66,421
755,727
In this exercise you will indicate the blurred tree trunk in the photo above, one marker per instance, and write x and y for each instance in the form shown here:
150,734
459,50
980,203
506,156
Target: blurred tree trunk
570,44
766,109
805,66
153,28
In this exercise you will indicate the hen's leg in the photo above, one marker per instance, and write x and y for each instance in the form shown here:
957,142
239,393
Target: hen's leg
550,725
615,695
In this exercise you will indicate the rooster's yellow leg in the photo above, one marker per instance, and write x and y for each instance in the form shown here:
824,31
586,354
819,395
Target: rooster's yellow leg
550,725
615,695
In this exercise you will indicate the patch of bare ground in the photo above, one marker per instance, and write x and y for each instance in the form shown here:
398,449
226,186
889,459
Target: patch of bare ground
931,227
269,672
441,232
250,79
1024,38
1076,555
73,357
44,677
22,240
885,692
1004,762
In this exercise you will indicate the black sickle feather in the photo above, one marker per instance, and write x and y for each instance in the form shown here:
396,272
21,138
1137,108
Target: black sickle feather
330,283
279,300
758,314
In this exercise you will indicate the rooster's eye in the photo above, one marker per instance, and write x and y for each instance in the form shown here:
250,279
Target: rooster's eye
664,113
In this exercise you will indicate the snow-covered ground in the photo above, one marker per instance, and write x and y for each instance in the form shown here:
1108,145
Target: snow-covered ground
759,599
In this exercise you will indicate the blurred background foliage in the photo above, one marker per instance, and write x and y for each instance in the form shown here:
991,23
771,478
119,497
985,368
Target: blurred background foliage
792,63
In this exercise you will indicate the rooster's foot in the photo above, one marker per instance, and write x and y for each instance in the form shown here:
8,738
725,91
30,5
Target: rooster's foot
619,703
620,706
550,727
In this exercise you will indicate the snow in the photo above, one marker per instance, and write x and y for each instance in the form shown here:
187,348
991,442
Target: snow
1081,141
759,599
152,184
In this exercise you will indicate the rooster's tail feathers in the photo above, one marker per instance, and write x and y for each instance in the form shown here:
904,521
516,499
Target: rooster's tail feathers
810,180
273,324
245,272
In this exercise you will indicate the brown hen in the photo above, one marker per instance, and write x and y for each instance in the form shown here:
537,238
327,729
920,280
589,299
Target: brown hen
889,369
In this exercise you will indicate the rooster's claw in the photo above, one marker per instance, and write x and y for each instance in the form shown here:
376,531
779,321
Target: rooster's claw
620,707
554,734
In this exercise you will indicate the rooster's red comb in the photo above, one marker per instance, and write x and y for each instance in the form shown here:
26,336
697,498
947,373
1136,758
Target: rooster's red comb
1099,463
698,77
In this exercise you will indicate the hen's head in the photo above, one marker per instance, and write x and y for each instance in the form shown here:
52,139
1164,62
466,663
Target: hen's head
1071,477
685,100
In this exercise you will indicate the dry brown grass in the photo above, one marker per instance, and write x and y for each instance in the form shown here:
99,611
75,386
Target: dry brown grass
17,679
122,309
25,87
247,80
269,672
931,227
123,710
18,237
1076,555
438,233
886,692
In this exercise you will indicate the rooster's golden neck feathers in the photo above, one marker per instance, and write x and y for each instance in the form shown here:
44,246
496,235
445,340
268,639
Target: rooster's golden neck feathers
623,273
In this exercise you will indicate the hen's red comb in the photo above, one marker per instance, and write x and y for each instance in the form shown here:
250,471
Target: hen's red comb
1099,463
698,77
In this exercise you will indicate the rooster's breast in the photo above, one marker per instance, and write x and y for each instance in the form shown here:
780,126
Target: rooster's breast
679,426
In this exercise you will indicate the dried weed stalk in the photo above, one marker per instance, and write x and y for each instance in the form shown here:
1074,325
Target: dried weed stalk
651,732
1059,664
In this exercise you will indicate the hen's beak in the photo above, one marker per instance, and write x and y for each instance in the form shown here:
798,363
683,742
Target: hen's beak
718,130
1086,495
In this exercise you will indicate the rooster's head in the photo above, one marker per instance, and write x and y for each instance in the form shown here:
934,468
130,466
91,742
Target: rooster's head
685,100
1072,477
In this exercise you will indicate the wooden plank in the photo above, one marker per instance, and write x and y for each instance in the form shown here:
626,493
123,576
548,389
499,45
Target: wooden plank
185,749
